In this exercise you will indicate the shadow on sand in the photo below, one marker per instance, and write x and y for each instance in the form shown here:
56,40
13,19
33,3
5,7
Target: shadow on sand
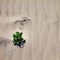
5,41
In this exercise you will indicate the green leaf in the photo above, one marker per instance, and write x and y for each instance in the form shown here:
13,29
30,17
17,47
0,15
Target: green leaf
18,38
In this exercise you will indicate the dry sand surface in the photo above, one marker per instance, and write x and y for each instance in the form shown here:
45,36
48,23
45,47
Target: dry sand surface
42,32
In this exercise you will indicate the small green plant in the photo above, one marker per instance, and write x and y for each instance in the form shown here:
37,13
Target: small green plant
18,39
